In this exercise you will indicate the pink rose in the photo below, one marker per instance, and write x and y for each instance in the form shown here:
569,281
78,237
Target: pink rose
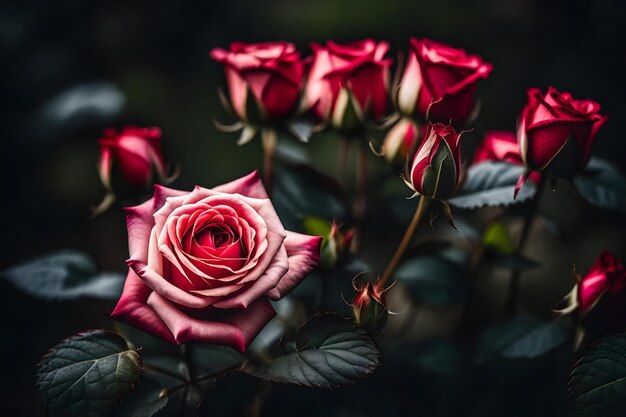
204,263
135,150
439,81
550,122
359,68
401,139
606,275
270,71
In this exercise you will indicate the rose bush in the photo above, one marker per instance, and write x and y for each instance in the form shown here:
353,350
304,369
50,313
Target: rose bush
339,72
557,132
204,263
436,168
439,81
270,71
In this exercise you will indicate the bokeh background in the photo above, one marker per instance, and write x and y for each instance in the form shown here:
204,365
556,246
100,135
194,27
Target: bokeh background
69,69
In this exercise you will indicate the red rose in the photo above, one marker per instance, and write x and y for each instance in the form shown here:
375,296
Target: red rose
271,71
607,275
439,82
204,263
557,131
135,150
436,169
337,72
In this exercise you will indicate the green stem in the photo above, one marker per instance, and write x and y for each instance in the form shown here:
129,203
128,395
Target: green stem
360,198
164,371
406,239
342,159
510,305
269,140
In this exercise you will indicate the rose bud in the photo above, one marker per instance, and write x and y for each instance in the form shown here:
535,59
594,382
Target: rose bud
263,78
335,245
436,169
439,82
204,264
556,132
135,150
368,307
348,84
401,140
606,276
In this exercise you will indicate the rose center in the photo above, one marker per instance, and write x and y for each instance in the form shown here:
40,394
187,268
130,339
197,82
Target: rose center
216,237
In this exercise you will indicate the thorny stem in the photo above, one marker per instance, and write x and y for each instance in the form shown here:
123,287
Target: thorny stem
269,141
360,198
406,239
514,283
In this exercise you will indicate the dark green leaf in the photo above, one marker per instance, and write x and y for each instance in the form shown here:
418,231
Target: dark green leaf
598,382
433,279
214,360
330,351
87,373
65,275
521,339
602,185
146,400
301,192
491,184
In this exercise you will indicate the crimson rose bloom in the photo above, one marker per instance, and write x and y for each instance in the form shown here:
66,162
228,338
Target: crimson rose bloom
135,150
607,275
360,68
271,71
556,124
439,81
204,263
436,169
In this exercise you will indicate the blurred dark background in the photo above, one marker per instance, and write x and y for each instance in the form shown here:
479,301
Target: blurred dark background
70,69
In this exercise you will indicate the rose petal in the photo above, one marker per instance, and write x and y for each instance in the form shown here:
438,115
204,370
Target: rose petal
304,256
132,308
249,186
234,328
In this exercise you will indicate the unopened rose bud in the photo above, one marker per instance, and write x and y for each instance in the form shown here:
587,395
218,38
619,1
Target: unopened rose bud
369,308
436,168
348,84
556,132
264,79
135,150
400,140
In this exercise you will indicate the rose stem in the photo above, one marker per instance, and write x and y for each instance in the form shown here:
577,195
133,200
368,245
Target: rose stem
514,283
342,159
406,239
269,142
360,198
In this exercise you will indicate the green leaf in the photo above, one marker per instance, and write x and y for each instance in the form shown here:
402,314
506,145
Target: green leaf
302,191
597,384
65,275
433,280
491,184
497,236
145,401
602,185
87,373
214,360
520,338
329,351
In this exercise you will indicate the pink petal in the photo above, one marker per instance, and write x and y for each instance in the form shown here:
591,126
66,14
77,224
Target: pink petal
234,328
132,308
139,222
304,256
277,268
249,186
